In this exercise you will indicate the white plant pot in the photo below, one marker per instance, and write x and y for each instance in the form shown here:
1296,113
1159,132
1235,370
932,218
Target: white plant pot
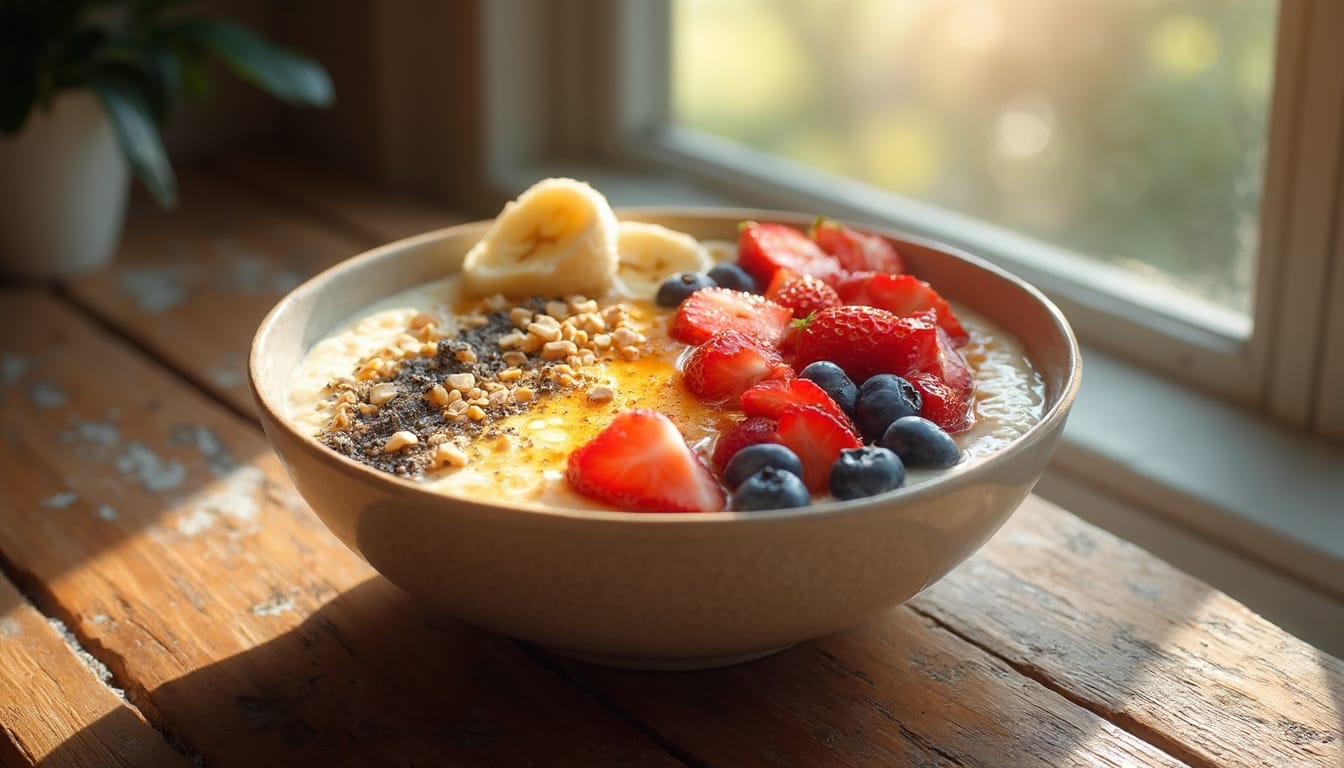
63,186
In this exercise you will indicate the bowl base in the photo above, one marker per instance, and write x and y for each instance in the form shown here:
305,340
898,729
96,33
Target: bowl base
666,663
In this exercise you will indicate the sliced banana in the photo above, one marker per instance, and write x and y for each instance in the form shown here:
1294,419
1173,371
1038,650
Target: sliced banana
557,238
649,253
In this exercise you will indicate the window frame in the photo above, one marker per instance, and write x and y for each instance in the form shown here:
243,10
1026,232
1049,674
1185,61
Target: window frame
603,78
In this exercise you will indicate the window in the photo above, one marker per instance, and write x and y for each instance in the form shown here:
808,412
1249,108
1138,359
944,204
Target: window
1228,291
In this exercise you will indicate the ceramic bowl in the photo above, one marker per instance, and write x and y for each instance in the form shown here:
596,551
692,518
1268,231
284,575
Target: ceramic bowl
659,590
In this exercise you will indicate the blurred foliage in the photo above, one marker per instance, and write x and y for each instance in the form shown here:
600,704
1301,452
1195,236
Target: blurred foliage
141,57
1131,131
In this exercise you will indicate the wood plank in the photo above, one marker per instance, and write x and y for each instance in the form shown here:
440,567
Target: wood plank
192,286
367,212
1144,645
55,711
161,528
897,691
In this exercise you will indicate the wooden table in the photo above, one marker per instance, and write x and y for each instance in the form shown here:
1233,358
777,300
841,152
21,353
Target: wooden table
167,599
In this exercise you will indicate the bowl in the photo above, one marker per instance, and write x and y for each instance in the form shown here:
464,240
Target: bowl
662,590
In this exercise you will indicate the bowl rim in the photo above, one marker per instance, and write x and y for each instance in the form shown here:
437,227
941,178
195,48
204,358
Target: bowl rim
964,473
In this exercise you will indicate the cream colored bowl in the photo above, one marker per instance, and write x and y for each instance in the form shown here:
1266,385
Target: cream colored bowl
659,590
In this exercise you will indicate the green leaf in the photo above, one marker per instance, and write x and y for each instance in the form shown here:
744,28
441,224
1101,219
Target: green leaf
139,137
276,70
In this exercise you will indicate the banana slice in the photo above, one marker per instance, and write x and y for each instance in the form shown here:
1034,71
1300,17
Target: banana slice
649,253
558,238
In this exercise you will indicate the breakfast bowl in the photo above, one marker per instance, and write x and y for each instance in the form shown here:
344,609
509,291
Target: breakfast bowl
659,590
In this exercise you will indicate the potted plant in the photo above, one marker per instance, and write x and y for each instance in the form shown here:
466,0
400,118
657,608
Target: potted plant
85,87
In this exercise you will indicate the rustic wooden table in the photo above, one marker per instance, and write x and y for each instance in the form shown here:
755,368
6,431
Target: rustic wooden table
167,599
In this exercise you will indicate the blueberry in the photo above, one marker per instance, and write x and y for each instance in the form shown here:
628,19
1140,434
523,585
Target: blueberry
883,399
921,443
753,458
832,378
729,275
770,488
866,471
677,287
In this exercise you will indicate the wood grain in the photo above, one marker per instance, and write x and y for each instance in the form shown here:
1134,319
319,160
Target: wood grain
896,691
365,212
160,528
1144,645
54,710
192,286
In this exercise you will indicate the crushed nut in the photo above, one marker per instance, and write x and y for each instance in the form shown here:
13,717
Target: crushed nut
399,440
447,454
601,394
382,392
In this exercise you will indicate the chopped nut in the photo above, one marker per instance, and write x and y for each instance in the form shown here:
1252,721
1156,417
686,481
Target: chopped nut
523,394
532,343
624,337
510,374
429,349
557,309
424,319
515,359
458,407
602,342
465,355
461,381
629,354
520,317
447,454
579,304
437,395
601,394
558,350
499,397
381,393
367,409
475,413
511,340
399,440
543,331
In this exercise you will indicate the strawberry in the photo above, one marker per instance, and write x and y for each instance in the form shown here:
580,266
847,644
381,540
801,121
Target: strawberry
749,431
772,398
729,362
901,295
818,439
763,247
944,405
804,294
710,310
865,341
857,251
641,463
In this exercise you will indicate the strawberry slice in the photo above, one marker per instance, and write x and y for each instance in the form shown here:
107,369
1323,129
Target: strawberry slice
857,251
641,463
749,431
865,341
804,294
772,398
901,295
763,247
727,364
944,405
818,439
710,310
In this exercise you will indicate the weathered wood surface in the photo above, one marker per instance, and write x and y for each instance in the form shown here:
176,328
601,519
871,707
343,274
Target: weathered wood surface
1144,645
159,527
54,711
366,213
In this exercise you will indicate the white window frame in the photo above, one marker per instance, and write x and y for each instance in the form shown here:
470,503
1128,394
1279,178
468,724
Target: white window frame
600,69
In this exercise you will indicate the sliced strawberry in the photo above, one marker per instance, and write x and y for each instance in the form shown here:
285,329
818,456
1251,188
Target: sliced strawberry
944,405
901,295
857,251
749,431
865,341
710,310
727,364
641,463
773,398
818,439
763,247
804,294
951,366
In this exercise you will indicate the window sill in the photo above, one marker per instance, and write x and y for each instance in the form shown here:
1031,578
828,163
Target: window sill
1214,489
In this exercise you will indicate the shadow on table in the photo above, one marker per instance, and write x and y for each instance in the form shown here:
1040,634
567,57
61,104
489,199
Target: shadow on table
373,678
